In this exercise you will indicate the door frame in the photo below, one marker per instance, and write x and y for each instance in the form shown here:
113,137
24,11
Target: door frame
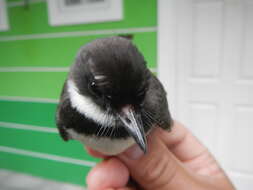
166,45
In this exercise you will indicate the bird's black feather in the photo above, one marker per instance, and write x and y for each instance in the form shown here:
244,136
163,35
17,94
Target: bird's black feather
123,79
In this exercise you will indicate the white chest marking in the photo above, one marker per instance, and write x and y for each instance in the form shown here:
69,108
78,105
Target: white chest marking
103,144
87,107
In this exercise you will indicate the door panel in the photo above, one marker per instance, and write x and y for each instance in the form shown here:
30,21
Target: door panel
213,80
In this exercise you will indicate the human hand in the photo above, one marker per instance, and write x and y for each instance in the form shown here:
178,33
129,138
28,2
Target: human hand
175,160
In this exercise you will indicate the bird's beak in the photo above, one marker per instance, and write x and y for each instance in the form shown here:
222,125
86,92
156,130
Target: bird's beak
133,124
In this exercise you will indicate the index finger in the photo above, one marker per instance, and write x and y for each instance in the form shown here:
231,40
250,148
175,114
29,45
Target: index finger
193,154
182,143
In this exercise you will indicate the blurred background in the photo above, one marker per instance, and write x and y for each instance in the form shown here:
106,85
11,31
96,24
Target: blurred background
200,49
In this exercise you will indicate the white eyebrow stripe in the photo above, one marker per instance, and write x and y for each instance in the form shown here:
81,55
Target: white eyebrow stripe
99,77
87,107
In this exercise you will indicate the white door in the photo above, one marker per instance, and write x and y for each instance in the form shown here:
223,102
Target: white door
206,63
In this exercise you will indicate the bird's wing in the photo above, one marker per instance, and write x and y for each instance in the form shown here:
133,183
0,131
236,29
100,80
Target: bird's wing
160,105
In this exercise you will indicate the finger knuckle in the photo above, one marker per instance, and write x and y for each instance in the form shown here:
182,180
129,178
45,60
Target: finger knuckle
156,172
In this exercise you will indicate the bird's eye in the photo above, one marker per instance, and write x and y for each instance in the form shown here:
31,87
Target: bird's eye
141,94
109,97
93,84
93,88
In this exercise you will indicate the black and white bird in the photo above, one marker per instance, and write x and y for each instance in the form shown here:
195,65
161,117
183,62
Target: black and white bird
110,99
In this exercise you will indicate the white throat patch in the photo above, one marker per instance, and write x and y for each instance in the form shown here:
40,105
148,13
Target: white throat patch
87,107
104,145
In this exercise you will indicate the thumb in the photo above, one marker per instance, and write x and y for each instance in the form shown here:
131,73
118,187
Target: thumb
158,168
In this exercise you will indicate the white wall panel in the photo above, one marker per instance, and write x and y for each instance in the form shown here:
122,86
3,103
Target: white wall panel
242,181
246,69
207,35
199,113
240,152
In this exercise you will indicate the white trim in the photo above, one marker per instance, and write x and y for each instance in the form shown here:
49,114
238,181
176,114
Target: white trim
27,127
77,34
34,69
29,99
22,3
85,12
167,48
4,21
47,156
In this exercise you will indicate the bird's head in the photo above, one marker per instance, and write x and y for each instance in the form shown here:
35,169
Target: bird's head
113,73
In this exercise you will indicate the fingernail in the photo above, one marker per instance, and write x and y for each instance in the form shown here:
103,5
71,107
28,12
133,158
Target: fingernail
133,153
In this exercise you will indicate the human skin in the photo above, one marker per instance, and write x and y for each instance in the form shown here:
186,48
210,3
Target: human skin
175,160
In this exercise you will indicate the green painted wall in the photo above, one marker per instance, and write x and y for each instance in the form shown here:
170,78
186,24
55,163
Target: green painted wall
38,49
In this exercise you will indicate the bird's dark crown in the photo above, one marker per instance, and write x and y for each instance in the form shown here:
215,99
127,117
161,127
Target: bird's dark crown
112,71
